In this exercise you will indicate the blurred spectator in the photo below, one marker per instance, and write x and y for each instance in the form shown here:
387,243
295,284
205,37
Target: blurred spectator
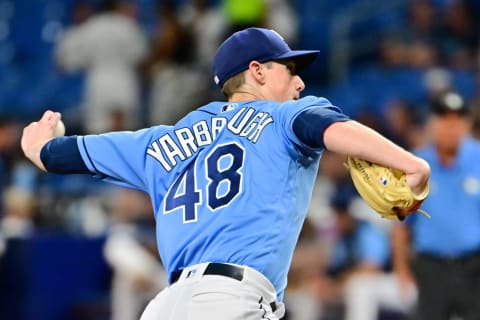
282,18
85,214
359,262
331,171
18,211
403,124
207,23
446,248
340,269
307,284
422,20
9,138
476,118
460,36
422,54
393,52
178,84
131,252
399,72
81,12
17,229
109,46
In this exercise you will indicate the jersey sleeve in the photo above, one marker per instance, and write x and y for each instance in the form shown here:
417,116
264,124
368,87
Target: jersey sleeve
117,157
315,115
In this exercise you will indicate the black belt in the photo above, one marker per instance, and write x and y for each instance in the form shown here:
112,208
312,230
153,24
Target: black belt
461,258
220,269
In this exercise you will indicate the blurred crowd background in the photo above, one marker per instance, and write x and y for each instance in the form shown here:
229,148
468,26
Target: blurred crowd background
72,247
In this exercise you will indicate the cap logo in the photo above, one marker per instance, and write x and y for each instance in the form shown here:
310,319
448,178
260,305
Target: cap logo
383,180
217,81
453,101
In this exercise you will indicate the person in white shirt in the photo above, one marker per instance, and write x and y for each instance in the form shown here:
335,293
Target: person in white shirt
108,46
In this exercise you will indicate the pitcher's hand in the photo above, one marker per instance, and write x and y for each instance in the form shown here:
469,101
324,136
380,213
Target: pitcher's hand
37,134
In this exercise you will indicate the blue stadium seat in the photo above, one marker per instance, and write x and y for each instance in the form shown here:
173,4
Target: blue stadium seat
466,83
350,99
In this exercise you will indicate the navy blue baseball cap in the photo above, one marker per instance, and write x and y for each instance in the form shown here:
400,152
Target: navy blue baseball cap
262,45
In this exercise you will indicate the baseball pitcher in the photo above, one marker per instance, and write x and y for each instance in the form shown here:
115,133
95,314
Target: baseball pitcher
231,182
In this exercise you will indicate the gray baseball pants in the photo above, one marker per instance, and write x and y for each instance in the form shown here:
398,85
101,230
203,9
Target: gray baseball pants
195,296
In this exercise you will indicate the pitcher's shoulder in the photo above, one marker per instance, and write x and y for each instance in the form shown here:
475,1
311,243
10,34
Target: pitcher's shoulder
315,101
308,101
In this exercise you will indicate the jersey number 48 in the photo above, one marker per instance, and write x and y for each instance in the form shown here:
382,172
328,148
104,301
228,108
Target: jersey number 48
223,172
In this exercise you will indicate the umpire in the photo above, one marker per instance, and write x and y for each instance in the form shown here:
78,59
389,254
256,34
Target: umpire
446,248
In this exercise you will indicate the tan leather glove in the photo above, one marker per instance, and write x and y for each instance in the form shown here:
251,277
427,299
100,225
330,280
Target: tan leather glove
385,189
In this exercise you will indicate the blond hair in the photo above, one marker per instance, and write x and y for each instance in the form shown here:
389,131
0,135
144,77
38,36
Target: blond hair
234,83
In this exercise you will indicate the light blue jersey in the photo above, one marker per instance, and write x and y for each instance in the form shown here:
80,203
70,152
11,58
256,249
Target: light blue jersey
451,206
230,182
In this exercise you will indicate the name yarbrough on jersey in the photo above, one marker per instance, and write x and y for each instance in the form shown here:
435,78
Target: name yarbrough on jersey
245,123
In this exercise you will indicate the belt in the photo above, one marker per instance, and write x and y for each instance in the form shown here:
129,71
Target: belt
461,258
221,269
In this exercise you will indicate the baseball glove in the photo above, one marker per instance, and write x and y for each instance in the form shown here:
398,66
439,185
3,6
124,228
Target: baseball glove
385,189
